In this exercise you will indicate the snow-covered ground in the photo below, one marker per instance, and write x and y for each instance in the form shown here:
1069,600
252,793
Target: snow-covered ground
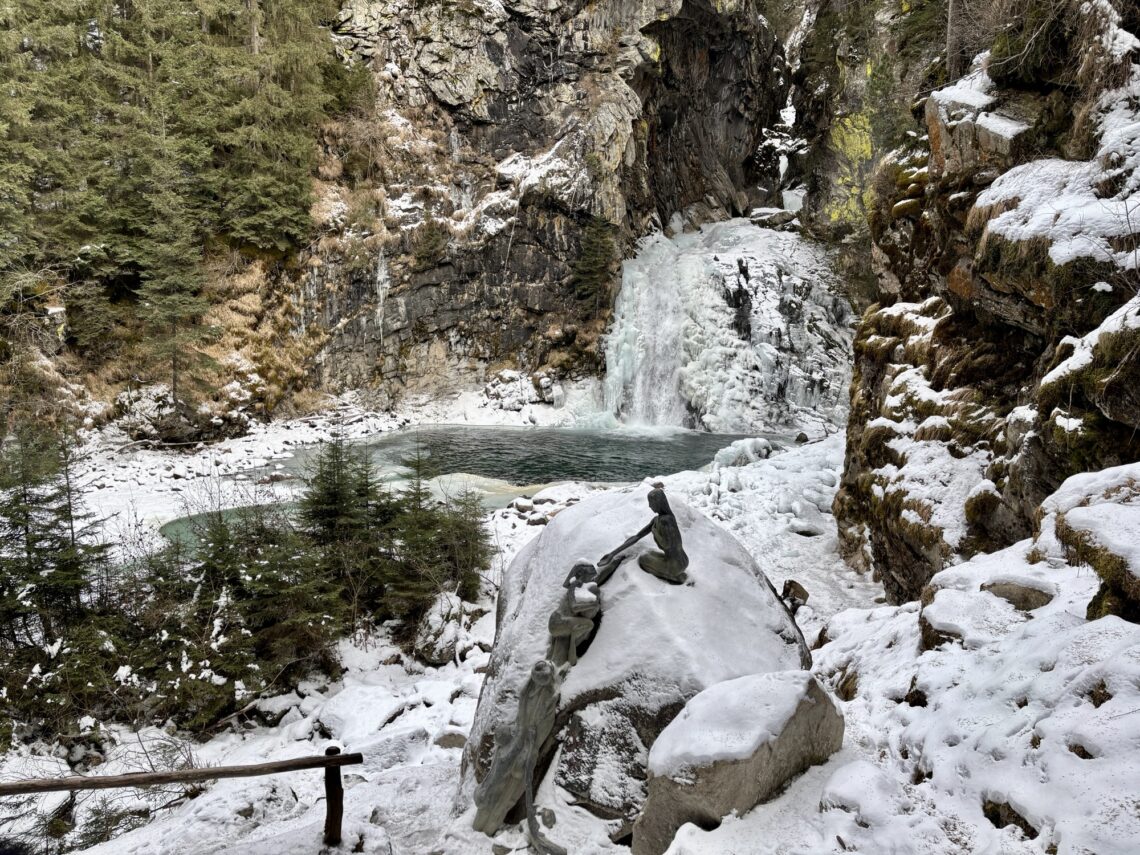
410,721
994,719
1021,715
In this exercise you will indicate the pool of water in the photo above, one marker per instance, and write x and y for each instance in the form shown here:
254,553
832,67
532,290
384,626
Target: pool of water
521,455
502,463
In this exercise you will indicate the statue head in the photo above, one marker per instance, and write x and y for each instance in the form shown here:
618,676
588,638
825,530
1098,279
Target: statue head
582,572
657,501
542,673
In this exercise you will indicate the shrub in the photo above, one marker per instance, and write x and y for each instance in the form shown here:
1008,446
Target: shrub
429,246
594,269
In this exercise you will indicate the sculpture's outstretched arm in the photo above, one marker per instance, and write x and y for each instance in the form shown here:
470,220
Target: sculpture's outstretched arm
607,568
630,542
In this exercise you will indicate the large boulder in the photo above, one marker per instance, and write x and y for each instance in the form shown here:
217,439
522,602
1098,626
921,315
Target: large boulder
656,646
440,629
734,745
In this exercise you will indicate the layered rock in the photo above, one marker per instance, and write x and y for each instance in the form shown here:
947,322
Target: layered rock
655,647
515,151
1000,358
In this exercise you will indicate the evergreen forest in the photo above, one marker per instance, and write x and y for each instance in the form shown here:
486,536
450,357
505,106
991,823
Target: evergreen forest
145,146
191,632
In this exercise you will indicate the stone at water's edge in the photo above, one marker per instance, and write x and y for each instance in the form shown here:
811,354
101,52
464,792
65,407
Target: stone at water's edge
657,645
733,746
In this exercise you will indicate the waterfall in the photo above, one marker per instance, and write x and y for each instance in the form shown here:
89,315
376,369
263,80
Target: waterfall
734,328
643,353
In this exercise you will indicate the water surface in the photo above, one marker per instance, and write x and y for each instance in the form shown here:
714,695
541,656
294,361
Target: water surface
507,462
536,455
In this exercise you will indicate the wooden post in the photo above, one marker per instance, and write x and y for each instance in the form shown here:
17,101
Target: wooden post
334,800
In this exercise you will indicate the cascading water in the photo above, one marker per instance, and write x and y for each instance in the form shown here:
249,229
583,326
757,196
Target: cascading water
733,328
643,354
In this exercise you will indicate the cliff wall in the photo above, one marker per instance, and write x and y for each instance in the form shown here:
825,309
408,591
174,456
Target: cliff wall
478,217
1002,353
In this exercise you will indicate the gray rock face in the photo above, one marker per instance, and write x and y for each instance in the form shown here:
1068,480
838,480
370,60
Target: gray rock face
527,133
951,367
656,646
968,134
732,747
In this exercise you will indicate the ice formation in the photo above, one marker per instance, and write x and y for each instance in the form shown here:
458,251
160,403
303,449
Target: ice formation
733,328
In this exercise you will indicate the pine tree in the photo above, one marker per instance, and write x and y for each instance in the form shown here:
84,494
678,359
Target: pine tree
17,148
340,488
265,150
466,545
48,552
170,300
410,580
290,605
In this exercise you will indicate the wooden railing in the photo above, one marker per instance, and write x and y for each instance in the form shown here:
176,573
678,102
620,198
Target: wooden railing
331,762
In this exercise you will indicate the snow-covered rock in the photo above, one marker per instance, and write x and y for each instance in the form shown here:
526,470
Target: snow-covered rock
1064,203
357,713
656,646
732,746
1096,516
439,630
743,452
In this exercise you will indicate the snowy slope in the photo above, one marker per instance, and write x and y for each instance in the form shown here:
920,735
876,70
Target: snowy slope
396,713
1011,730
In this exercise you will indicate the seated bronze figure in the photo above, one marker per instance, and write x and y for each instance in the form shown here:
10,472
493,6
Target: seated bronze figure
670,562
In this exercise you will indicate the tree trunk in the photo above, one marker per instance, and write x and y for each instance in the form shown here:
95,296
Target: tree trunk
955,60
254,26
174,365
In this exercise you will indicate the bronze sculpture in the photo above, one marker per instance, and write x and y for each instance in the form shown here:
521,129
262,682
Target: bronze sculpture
573,620
516,749
670,562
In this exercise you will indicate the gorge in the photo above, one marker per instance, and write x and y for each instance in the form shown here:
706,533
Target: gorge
855,282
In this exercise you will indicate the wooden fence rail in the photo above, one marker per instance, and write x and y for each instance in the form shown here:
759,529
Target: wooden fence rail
331,762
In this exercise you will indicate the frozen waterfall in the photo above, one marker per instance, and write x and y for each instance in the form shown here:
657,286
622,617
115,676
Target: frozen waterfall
643,356
734,328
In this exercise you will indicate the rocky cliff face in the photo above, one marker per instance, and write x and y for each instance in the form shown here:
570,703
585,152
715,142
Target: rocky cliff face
516,150
1003,353
855,67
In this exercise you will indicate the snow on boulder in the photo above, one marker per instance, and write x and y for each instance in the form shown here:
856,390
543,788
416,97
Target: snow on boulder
441,630
656,645
732,746
742,452
976,602
357,713
1096,516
